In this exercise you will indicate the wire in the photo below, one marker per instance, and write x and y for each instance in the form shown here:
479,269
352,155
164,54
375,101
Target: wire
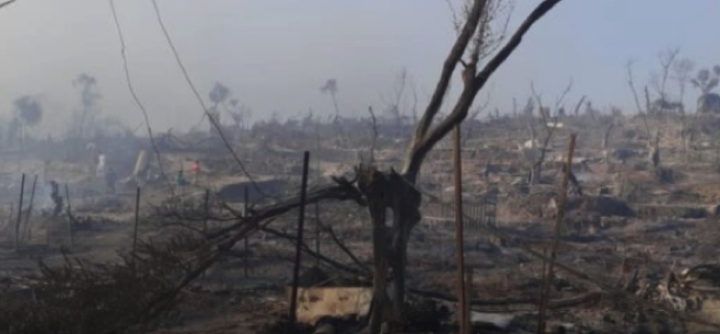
135,97
206,111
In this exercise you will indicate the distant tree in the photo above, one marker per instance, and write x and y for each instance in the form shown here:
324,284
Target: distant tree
681,74
219,94
28,113
331,87
667,60
706,80
84,121
29,110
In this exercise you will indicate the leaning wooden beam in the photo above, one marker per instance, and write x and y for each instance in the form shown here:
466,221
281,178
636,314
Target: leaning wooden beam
342,190
361,272
511,303
344,248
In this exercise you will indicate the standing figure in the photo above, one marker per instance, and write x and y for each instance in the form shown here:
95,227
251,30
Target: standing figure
195,170
110,180
56,198
101,166
180,181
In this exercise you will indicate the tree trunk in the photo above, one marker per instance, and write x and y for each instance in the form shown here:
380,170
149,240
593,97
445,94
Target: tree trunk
389,191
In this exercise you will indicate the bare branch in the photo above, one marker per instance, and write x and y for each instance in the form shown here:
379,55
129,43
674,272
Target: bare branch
205,109
374,137
451,62
135,98
423,143
578,105
562,96
6,3
631,83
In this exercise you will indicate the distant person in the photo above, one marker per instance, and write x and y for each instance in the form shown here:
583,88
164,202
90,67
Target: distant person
110,180
195,170
101,168
180,181
56,198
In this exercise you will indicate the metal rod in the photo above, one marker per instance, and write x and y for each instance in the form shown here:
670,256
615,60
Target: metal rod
30,208
19,215
135,226
462,319
246,214
69,214
547,279
207,210
301,221
317,232
468,299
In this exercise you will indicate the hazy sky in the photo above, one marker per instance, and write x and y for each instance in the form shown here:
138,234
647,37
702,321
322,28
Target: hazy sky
274,55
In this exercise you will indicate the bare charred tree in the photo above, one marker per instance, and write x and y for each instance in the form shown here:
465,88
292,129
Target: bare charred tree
659,80
29,111
550,124
682,70
331,87
391,195
606,139
84,120
631,84
394,106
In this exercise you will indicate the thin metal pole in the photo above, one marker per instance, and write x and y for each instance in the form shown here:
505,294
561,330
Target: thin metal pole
462,319
548,277
30,208
135,226
69,214
19,215
468,299
317,233
298,246
207,210
246,253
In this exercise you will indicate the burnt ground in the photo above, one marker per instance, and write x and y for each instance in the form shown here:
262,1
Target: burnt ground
630,239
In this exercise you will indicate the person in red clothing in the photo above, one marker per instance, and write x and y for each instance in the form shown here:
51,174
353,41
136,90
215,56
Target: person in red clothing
195,170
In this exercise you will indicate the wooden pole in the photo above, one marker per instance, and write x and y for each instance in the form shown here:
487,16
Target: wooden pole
246,207
548,276
30,208
298,246
69,214
135,226
462,314
19,215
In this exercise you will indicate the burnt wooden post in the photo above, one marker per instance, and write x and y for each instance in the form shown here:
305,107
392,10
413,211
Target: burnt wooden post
69,214
135,225
548,276
462,314
30,208
298,244
246,254
19,215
